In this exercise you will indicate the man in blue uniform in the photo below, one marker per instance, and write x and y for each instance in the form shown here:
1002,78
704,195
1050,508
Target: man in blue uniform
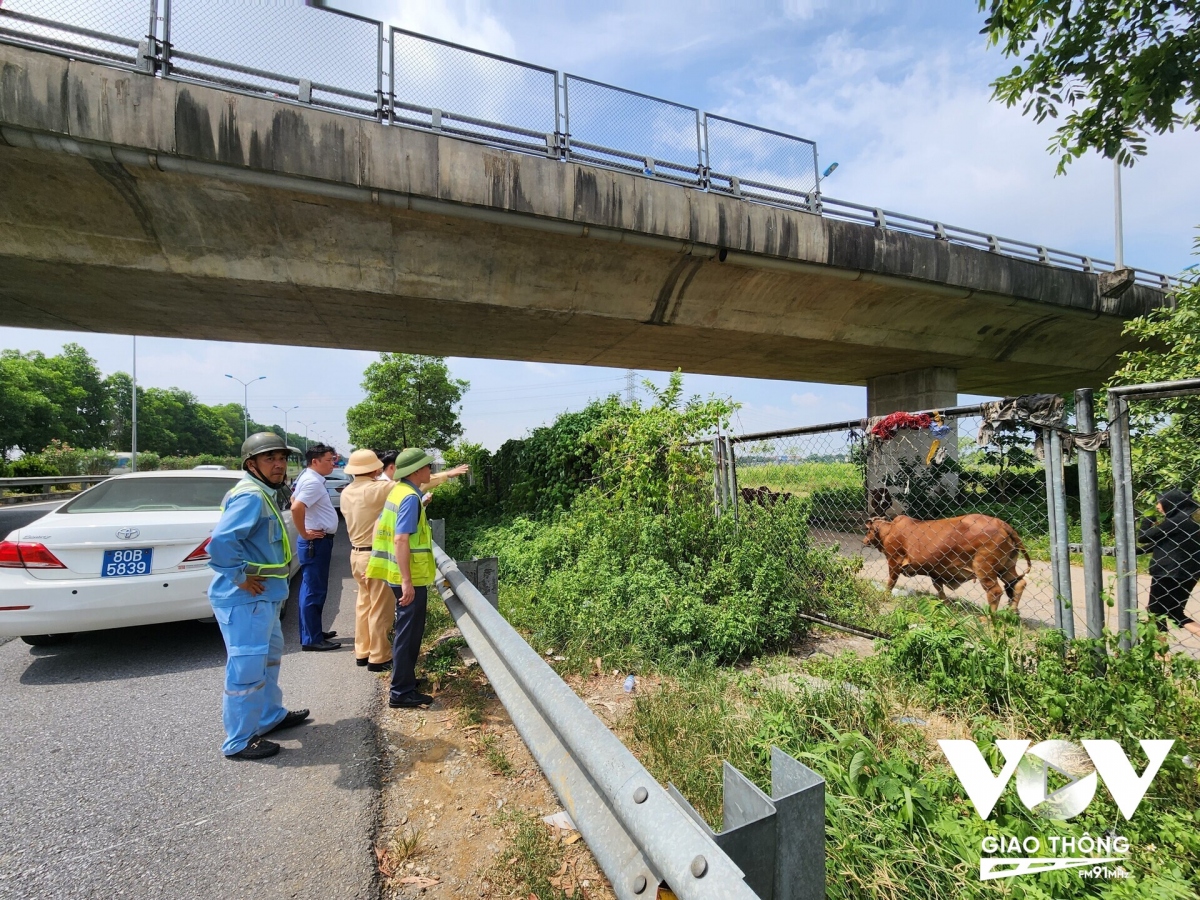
250,552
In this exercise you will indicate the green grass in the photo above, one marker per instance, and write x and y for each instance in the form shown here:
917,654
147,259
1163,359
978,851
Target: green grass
802,479
898,823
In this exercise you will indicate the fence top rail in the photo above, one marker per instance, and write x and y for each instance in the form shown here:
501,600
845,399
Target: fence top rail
1156,390
473,51
320,4
51,479
740,124
72,29
613,87
861,424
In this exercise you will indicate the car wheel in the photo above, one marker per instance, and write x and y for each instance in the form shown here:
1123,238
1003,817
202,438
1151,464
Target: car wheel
46,640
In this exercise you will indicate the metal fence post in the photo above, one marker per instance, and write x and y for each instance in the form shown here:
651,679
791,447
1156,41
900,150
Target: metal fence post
1089,516
1061,536
379,104
1052,524
731,485
166,39
718,476
1118,436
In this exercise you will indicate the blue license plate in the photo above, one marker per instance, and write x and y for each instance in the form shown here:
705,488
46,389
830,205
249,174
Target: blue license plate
130,561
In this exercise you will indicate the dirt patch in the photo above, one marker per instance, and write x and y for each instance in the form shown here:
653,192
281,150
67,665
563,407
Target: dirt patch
463,799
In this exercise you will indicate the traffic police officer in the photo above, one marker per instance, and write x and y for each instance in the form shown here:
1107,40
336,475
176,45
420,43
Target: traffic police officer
250,552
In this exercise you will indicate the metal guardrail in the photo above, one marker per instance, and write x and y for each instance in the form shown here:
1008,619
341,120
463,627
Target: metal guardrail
338,61
642,836
49,481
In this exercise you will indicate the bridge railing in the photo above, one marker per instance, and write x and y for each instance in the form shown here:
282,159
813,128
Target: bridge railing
357,66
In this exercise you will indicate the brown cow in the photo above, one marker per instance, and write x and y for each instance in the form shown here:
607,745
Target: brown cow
952,552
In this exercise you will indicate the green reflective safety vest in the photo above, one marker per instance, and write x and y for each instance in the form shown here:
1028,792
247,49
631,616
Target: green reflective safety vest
264,569
382,564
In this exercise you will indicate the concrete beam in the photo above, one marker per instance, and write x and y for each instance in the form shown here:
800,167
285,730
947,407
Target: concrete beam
134,203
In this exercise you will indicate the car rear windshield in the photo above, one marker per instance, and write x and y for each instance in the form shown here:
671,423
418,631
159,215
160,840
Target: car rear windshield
129,494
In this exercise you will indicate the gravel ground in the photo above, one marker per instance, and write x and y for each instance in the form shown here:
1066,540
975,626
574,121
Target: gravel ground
113,784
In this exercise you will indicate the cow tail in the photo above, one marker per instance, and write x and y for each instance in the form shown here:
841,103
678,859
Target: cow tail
1024,552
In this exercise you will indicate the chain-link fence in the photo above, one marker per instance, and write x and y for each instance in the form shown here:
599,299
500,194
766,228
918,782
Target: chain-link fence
296,52
990,510
109,31
925,504
1159,427
446,87
760,164
626,130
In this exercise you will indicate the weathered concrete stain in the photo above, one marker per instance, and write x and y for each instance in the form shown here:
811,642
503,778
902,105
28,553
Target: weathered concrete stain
193,128
126,186
503,174
22,104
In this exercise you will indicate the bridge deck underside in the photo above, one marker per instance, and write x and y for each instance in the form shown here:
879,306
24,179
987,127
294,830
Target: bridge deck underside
95,246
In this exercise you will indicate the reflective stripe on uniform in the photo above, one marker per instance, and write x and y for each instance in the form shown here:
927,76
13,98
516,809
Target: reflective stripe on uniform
264,569
257,687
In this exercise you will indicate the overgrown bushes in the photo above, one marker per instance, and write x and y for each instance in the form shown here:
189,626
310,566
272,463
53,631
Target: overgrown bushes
639,570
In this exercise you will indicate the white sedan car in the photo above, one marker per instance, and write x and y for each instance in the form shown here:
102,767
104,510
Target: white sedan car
132,550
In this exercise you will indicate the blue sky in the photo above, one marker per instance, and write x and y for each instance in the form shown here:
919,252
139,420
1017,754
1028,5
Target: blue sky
897,93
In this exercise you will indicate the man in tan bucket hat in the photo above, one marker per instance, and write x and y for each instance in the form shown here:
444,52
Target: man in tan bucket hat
362,502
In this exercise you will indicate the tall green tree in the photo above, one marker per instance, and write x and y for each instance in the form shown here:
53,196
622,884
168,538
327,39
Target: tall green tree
26,412
411,402
1166,448
45,398
1119,69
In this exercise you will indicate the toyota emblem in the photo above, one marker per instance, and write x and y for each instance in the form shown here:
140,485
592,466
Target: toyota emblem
128,534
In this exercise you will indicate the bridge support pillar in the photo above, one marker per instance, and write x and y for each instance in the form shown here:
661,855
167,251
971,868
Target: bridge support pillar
899,478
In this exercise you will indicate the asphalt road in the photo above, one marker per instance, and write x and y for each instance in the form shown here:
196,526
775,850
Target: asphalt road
112,783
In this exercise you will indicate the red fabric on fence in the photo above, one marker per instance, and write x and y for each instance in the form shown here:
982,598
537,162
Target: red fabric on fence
885,429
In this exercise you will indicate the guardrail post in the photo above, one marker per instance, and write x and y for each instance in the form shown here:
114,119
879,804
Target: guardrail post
1089,515
484,574
1118,439
438,528
777,841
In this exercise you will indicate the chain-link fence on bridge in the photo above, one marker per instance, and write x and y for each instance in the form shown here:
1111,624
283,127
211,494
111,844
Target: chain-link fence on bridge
892,492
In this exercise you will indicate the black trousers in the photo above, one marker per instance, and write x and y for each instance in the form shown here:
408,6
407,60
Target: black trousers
1169,596
406,644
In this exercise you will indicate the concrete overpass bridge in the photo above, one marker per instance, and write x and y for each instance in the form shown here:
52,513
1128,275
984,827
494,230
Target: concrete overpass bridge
135,199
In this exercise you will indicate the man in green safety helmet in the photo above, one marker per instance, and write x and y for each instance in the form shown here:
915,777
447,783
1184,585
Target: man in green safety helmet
250,552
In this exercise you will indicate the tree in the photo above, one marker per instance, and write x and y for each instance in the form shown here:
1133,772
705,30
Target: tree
45,398
411,402
1124,69
1166,442
26,412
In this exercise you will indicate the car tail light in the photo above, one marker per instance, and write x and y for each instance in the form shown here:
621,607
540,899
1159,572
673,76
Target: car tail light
36,556
10,556
199,554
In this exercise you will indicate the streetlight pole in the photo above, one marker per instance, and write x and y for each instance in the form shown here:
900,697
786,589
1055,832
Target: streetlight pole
133,419
245,402
306,427
285,415
1117,215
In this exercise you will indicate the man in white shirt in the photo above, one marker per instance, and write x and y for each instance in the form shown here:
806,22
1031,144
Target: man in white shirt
316,524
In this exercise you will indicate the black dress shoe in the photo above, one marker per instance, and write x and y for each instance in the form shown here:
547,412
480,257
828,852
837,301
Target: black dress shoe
324,645
361,660
291,720
411,700
380,667
328,634
258,748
